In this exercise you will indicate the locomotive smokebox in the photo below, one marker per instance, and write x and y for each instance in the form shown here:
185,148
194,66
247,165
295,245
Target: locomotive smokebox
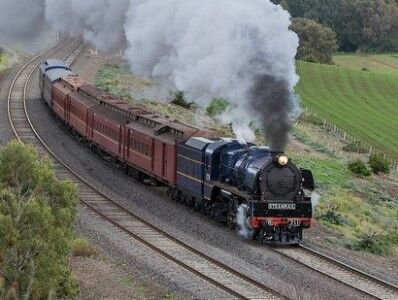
281,179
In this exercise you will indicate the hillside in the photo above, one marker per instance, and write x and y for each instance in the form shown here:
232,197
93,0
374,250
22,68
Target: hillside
358,94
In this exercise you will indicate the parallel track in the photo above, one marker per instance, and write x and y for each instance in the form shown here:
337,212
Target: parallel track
220,275
341,272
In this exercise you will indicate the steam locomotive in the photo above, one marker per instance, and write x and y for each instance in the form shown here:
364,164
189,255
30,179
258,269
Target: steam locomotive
260,193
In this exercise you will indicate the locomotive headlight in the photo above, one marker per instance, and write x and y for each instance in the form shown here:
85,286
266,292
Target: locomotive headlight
283,160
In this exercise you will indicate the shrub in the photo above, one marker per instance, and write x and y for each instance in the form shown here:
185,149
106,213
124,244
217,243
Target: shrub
359,168
179,99
355,147
217,107
379,164
374,243
82,247
329,212
37,213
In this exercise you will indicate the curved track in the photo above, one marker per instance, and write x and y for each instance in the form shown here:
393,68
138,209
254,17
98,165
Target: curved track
220,275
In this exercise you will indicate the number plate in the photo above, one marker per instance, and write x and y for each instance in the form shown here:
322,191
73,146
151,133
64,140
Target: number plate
287,206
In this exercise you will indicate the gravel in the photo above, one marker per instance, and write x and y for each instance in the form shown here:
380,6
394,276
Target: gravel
5,128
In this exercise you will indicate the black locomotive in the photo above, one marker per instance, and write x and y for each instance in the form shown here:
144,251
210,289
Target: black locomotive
259,192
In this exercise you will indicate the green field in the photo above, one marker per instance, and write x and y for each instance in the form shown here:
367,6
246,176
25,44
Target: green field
359,94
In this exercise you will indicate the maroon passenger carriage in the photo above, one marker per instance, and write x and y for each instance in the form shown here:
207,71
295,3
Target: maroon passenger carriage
145,143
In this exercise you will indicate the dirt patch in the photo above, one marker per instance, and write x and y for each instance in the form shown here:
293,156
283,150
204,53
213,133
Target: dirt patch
88,64
100,278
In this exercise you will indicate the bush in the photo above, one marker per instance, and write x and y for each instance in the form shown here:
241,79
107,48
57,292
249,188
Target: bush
374,243
329,212
179,99
82,247
379,164
359,168
355,147
37,213
216,107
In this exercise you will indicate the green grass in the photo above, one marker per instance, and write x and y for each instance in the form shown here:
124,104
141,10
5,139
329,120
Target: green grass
363,103
329,172
380,63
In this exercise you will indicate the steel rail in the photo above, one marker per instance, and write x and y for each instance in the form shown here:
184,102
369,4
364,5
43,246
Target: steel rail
340,272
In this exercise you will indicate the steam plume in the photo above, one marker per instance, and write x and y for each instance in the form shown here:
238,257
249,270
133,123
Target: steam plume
22,24
241,222
99,22
18,22
239,50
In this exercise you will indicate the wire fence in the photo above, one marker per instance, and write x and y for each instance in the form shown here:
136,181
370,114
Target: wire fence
347,137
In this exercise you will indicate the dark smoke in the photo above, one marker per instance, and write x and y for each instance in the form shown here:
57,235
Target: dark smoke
273,102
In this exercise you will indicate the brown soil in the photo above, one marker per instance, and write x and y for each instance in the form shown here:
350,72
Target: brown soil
100,278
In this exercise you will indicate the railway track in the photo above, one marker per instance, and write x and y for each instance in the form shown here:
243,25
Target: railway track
341,272
220,275
231,281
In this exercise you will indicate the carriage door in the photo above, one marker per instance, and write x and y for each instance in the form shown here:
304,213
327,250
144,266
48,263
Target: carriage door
158,163
165,160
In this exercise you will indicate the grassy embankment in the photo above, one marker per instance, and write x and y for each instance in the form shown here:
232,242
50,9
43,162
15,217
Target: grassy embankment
360,95
362,213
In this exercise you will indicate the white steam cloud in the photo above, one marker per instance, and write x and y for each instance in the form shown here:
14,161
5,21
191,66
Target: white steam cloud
241,222
16,24
226,48
216,49
22,24
99,22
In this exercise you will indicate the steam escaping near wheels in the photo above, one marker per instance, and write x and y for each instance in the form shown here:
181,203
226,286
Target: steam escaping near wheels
242,222
242,51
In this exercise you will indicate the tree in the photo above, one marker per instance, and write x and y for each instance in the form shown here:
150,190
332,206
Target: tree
179,99
217,106
369,25
366,25
317,43
36,226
